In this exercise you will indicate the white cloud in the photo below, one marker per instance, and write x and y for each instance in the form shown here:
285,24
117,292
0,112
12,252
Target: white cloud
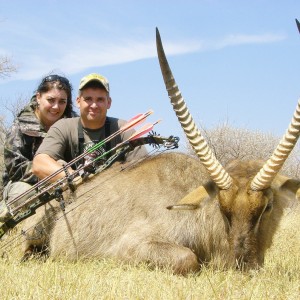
72,56
77,57
241,39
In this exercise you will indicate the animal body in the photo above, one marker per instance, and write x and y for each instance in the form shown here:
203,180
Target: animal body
174,210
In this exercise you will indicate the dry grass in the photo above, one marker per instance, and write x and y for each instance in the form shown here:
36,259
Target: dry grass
108,279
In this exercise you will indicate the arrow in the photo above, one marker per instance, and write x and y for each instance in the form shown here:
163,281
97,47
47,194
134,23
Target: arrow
145,129
130,124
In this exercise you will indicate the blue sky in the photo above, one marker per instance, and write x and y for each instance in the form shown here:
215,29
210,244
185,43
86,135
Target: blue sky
235,61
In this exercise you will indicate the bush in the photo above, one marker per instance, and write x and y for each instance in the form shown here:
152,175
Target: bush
229,143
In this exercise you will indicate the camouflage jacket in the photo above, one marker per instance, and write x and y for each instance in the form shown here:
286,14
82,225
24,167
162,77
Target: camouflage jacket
22,141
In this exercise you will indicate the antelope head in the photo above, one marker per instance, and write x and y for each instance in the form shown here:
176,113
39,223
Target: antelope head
244,192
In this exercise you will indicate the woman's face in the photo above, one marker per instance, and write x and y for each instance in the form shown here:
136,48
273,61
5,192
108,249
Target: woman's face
51,106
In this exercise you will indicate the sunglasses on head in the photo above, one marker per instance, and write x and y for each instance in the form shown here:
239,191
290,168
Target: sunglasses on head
52,78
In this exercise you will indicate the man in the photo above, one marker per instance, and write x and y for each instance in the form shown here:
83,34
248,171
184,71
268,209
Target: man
68,138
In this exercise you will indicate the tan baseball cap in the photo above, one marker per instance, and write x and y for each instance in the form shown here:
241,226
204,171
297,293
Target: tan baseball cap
94,77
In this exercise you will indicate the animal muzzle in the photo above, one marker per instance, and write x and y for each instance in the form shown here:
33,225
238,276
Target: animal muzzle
245,253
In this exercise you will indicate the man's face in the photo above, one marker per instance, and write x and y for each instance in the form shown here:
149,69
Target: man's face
93,105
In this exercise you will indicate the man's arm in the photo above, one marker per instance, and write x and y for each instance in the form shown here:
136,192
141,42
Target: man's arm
44,165
50,156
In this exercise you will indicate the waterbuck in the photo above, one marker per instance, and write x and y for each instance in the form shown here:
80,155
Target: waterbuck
174,210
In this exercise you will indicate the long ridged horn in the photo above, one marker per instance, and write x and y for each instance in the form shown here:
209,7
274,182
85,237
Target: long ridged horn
267,173
298,25
206,156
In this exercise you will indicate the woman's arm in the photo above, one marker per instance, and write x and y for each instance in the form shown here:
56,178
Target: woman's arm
17,158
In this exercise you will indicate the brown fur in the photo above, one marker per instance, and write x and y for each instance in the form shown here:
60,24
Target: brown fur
122,214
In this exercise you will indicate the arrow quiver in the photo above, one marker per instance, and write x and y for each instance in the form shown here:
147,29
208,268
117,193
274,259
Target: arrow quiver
49,191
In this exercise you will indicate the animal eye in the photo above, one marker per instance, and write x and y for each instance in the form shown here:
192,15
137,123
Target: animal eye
227,217
269,207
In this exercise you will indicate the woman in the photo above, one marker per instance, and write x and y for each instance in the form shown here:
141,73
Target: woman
51,102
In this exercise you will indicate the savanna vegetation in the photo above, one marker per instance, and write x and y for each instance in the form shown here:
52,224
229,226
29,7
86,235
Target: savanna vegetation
7,67
107,279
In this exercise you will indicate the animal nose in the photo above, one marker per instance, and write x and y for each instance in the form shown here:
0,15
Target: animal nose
244,254
240,251
239,245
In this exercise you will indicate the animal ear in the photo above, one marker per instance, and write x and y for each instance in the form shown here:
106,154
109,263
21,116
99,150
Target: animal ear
193,200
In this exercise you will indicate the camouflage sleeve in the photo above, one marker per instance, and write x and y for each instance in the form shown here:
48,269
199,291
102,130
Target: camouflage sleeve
17,157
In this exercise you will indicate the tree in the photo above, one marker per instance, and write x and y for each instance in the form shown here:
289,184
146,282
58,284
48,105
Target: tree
229,143
6,66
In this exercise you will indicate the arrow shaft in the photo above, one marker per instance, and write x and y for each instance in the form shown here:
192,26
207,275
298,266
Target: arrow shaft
145,129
